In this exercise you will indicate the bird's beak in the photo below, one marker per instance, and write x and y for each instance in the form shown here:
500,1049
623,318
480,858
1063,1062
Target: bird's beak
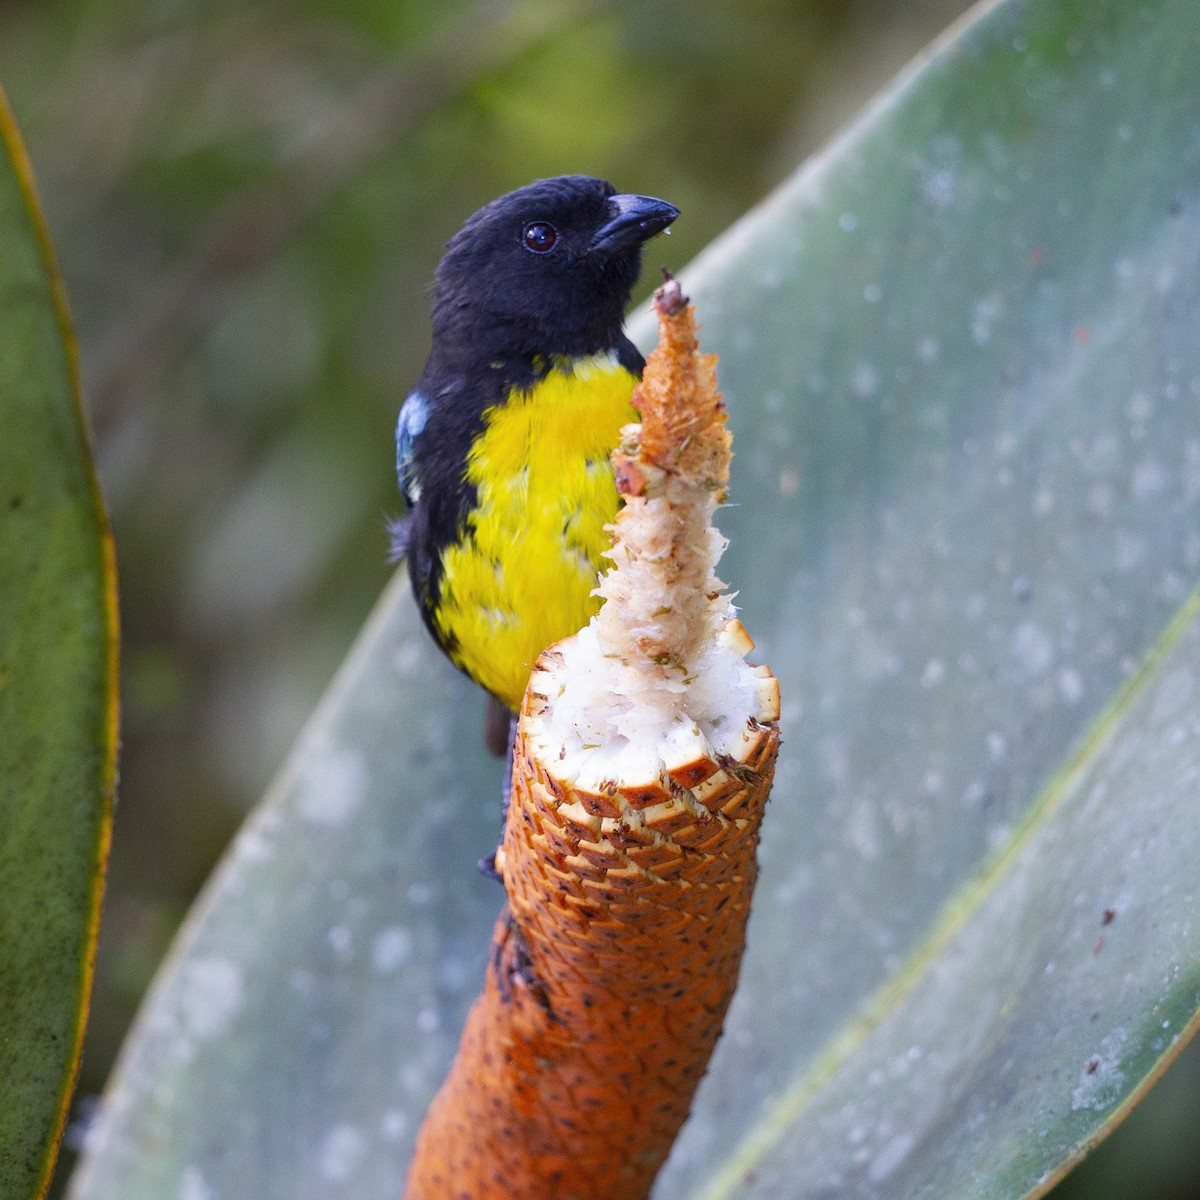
631,221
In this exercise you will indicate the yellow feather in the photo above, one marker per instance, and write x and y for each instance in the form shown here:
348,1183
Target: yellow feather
523,576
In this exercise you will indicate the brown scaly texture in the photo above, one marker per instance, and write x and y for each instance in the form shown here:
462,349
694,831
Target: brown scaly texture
616,957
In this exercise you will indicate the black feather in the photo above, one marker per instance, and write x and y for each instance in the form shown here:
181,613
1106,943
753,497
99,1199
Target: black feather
399,536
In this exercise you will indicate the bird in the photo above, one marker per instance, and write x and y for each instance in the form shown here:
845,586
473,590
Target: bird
503,444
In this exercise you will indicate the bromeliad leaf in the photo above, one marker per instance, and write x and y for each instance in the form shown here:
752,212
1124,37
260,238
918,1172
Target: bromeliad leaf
57,693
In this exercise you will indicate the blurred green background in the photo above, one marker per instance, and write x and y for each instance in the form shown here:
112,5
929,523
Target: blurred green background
248,200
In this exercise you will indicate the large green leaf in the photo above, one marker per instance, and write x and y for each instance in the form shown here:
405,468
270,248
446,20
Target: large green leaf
960,350
57,692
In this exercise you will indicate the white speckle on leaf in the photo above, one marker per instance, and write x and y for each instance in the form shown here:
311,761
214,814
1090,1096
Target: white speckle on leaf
1148,479
210,996
771,279
255,842
391,949
983,318
341,1152
1070,685
406,658
890,1157
997,838
933,674
975,794
334,788
1130,550
848,222
939,186
929,350
393,1125
1173,587
862,831
429,1020
865,381
872,293
193,1186
1032,648
1005,444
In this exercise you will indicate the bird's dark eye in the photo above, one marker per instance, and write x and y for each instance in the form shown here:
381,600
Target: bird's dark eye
540,237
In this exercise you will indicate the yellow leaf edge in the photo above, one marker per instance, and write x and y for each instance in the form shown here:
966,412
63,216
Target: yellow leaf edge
14,146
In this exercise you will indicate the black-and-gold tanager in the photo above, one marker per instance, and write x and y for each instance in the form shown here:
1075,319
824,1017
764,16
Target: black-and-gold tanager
502,447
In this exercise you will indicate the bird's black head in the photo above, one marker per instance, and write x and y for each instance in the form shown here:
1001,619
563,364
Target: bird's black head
547,269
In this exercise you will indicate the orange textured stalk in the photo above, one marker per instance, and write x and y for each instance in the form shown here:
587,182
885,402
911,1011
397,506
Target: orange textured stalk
643,762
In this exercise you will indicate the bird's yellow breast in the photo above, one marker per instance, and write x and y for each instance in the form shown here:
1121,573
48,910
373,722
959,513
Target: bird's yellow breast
523,575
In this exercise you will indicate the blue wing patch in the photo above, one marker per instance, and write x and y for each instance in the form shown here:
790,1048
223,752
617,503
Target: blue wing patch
413,415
